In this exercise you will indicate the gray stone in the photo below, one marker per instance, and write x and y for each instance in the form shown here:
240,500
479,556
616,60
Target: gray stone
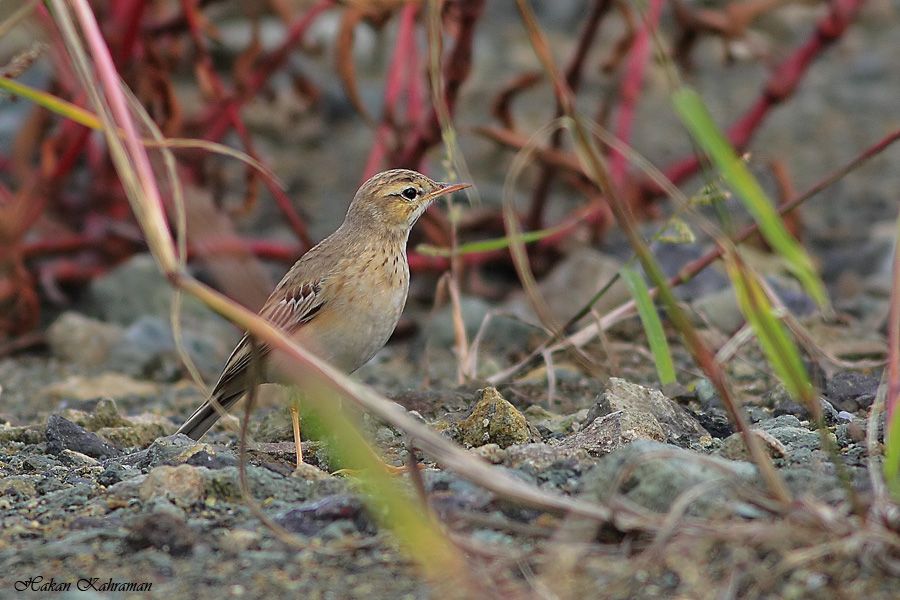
172,450
534,458
162,531
657,475
64,434
851,391
640,404
720,309
183,485
224,485
105,385
441,330
82,340
571,285
147,347
734,448
613,431
133,289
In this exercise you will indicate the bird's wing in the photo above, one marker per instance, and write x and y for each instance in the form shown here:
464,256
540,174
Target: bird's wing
288,308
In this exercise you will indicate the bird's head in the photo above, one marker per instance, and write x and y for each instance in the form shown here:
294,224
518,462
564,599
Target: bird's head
396,199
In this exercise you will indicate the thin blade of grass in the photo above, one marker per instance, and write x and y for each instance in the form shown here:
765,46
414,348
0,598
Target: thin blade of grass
776,344
696,117
389,500
653,327
892,383
84,117
488,245
892,457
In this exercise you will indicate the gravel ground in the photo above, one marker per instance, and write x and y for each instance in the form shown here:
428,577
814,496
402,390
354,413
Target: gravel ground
95,490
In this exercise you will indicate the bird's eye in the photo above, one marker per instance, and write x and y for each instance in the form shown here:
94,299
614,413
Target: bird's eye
410,193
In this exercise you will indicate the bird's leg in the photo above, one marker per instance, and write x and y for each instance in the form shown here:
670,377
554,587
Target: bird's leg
295,422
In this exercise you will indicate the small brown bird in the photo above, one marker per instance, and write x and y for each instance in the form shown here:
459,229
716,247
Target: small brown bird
343,298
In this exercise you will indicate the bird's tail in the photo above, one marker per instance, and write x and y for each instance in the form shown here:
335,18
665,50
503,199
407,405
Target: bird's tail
207,415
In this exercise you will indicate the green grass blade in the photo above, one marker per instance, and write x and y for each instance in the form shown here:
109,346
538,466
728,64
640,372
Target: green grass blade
780,350
51,103
652,325
696,117
485,245
892,456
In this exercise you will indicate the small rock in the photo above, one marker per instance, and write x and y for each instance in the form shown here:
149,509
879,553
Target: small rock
224,484
63,434
852,391
310,473
162,531
783,403
82,340
211,461
114,473
449,494
77,459
147,348
183,485
492,453
23,486
237,541
678,425
552,425
441,328
137,435
715,421
106,385
275,426
720,309
105,414
172,450
571,284
613,431
657,475
799,442
535,458
31,434
733,446
494,420
311,518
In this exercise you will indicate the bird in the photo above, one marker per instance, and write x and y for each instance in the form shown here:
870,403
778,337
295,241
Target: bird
342,299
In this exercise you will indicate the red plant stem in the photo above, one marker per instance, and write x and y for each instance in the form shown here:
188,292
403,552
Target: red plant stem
630,91
455,71
65,245
396,70
779,87
219,120
128,14
415,94
233,116
535,217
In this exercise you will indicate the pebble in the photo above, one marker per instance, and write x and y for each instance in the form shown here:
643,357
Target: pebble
641,406
494,420
82,340
63,434
183,485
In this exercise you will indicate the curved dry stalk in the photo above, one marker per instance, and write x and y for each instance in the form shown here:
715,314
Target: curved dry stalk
180,236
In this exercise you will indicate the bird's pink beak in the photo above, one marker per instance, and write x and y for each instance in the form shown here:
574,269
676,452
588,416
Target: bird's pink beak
446,188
